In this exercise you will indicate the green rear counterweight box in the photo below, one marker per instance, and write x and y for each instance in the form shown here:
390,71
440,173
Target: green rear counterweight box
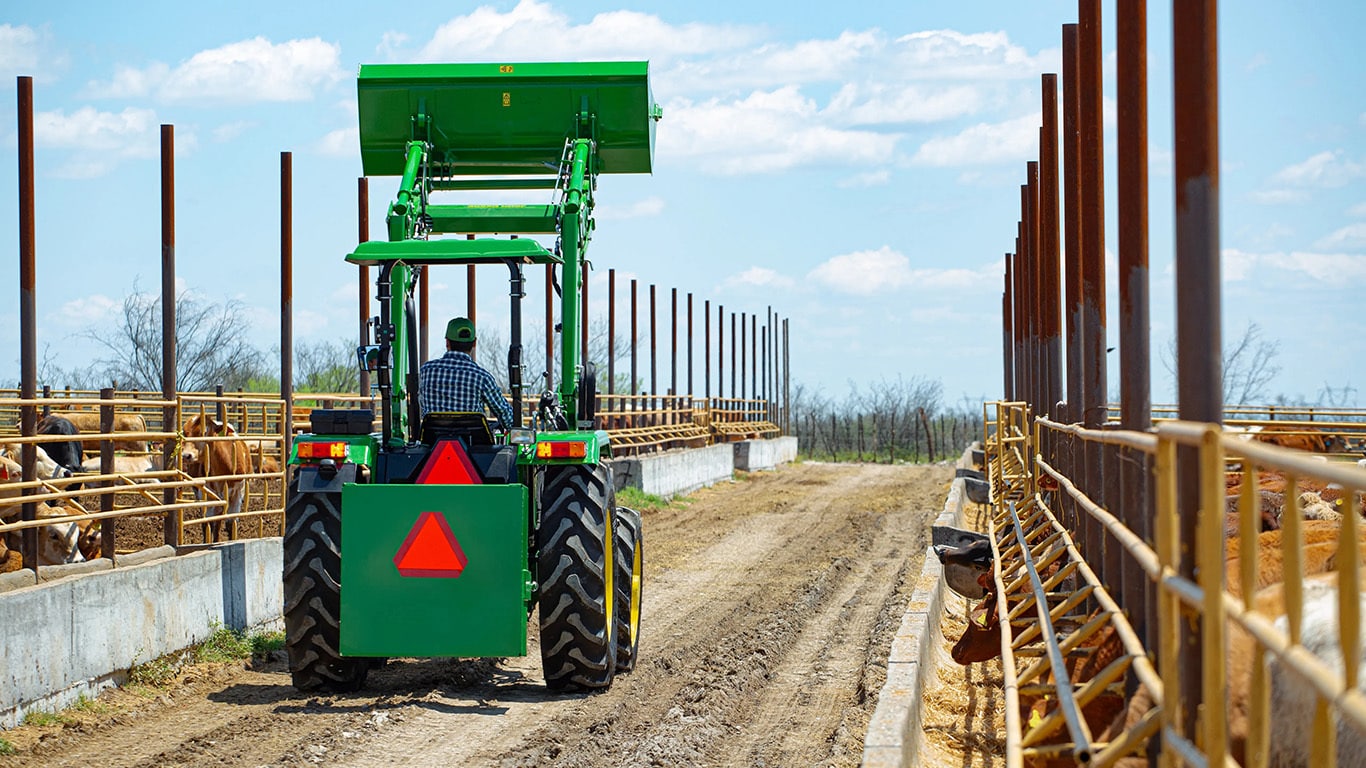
465,552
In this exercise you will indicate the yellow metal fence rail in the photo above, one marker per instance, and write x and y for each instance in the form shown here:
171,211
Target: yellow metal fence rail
1046,524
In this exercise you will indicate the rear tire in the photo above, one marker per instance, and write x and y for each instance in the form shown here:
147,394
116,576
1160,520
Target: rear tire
312,595
575,568
629,585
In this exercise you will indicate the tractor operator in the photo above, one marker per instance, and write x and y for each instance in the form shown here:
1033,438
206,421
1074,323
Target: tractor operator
454,382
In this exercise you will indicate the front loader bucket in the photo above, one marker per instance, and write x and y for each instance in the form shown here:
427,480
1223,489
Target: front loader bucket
505,118
434,570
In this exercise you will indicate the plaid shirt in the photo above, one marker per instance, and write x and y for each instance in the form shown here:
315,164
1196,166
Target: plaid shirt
454,382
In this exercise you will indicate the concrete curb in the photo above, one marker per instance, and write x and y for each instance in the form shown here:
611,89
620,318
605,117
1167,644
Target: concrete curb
895,732
100,624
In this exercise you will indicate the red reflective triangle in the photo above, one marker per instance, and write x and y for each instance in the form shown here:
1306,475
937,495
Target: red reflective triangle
449,465
430,549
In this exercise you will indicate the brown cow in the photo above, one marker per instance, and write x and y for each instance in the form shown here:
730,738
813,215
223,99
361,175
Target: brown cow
217,458
88,422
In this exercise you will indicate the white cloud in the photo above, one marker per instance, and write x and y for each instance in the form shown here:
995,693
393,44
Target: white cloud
229,131
650,206
102,139
1013,140
1278,196
243,72
20,48
391,44
757,277
947,54
343,142
130,82
28,51
1350,237
132,130
766,132
85,312
770,65
866,179
1358,210
1322,171
864,273
881,104
1258,60
1333,268
534,31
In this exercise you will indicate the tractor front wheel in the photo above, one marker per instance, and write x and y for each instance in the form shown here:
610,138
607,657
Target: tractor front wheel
312,595
629,581
575,567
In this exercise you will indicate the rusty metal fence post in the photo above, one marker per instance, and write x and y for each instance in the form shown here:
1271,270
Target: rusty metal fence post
170,419
1198,300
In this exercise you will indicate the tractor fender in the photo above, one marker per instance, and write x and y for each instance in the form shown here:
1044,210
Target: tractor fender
311,480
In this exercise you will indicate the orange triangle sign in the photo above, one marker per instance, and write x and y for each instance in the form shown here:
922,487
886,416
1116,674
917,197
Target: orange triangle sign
430,550
449,464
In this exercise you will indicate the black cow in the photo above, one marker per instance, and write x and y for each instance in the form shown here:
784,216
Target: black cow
66,453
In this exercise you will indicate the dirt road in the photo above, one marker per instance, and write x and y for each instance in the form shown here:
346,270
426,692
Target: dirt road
769,608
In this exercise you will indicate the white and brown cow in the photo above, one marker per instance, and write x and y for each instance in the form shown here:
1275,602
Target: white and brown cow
216,458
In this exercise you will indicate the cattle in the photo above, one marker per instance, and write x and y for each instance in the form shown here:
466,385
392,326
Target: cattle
127,465
58,541
215,458
1270,505
66,452
1299,438
966,568
1292,698
1318,558
45,467
89,422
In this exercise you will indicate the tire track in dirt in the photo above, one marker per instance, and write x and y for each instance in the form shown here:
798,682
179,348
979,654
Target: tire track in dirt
769,608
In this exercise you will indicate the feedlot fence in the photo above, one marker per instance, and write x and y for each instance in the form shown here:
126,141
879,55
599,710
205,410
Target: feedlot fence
1130,625
134,489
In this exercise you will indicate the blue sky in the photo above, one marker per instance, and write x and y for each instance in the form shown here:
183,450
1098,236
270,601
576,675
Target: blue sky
855,166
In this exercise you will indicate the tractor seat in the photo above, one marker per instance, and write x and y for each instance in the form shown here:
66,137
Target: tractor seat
472,429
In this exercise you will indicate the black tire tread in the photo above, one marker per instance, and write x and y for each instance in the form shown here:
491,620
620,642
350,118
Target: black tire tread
629,540
577,637
312,595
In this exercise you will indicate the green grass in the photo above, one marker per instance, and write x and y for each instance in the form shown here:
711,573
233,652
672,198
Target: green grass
7,748
43,718
222,645
86,704
641,501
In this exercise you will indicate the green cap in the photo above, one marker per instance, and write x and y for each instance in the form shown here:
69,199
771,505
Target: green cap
460,329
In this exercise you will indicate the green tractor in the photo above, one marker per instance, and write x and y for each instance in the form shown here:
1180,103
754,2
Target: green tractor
438,536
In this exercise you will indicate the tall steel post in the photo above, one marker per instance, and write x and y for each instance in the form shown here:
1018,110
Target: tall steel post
28,315
1198,301
1092,211
1071,156
287,293
611,331
170,531
1134,326
1049,250
635,334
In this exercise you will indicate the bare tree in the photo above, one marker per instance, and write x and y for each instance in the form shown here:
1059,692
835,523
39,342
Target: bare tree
210,347
326,366
1249,364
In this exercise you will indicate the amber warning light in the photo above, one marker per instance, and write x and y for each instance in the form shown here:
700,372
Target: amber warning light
566,449
331,450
